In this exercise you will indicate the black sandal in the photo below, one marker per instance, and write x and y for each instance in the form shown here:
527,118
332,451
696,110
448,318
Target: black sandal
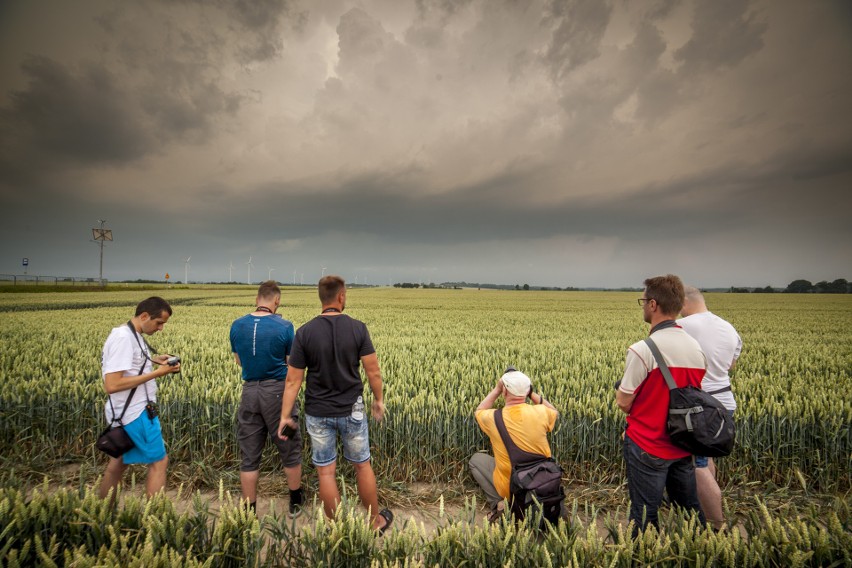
495,515
387,515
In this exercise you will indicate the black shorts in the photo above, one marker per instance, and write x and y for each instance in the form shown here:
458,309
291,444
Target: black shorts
257,419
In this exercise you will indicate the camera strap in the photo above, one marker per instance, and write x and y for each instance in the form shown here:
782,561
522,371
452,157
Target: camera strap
145,355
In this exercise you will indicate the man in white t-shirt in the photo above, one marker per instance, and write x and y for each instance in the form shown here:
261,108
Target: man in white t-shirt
722,346
127,363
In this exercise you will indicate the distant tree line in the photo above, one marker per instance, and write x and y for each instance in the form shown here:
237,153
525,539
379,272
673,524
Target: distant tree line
429,285
460,285
839,286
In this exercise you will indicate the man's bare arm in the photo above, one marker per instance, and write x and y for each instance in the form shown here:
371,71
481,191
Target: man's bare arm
624,400
117,382
292,384
374,378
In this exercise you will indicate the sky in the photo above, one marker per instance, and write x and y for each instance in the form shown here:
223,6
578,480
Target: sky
557,143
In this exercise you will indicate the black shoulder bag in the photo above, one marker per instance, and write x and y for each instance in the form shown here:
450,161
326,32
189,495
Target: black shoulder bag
536,481
697,423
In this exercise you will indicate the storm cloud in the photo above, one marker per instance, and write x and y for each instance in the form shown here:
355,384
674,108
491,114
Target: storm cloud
558,143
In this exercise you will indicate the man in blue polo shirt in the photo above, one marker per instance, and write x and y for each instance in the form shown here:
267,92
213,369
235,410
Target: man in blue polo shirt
261,343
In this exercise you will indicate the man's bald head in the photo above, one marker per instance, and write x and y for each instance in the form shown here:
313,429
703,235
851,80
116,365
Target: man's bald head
693,302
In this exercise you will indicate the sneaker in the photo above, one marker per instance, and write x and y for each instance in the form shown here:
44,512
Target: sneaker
296,501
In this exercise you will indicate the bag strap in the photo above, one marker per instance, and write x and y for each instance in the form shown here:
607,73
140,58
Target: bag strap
721,390
144,356
123,410
133,390
661,363
517,456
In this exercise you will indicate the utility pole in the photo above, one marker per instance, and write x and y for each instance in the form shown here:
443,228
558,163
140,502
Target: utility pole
100,235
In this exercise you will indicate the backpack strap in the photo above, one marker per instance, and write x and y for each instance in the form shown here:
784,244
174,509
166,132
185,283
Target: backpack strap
661,363
517,456
719,391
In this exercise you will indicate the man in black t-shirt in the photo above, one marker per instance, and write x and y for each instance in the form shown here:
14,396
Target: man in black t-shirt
331,347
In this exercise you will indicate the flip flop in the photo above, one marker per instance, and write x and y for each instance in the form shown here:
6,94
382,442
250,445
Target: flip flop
387,515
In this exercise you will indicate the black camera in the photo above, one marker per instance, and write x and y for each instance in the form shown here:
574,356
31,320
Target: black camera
152,409
288,432
172,361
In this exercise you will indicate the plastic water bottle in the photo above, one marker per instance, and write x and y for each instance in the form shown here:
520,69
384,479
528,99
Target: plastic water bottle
358,409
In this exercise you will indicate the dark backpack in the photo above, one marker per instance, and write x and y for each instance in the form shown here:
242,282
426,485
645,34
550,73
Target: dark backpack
536,481
697,423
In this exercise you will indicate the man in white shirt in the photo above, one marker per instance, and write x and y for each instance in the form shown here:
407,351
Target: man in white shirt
127,364
722,346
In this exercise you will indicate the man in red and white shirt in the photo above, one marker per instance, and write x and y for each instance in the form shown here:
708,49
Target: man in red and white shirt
653,462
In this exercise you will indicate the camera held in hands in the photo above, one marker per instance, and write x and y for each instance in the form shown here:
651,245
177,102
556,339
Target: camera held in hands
173,360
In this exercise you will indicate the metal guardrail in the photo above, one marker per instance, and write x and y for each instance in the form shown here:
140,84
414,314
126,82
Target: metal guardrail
38,280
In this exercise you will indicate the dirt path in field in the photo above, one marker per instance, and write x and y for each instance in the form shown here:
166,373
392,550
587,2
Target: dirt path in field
428,511
431,505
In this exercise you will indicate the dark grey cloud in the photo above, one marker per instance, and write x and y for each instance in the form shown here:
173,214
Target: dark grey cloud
123,104
262,22
766,197
74,115
577,29
725,32
363,40
661,9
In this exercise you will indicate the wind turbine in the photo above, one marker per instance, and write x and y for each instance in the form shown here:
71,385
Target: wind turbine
294,277
271,270
186,270
230,272
249,264
301,279
323,272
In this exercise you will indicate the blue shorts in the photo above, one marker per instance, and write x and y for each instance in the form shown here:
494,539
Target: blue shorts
701,461
323,432
148,437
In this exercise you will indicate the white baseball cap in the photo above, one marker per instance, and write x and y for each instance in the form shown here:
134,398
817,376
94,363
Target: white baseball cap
516,383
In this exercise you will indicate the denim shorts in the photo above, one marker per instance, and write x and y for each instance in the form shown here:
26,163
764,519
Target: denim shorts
323,432
701,461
